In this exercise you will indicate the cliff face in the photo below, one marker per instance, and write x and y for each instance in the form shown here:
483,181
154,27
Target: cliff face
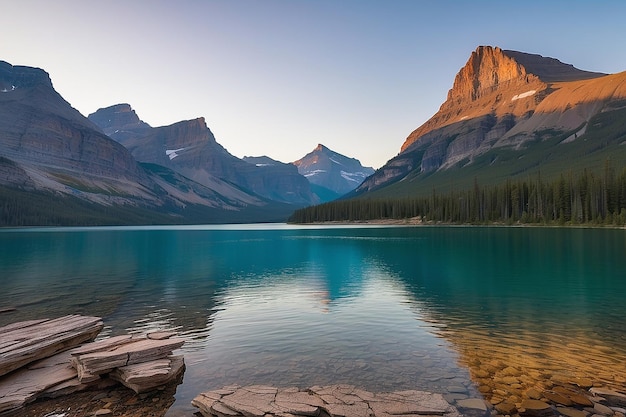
491,83
41,130
501,99
486,70
333,171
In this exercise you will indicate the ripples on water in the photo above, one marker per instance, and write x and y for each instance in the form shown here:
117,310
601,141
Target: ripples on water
381,308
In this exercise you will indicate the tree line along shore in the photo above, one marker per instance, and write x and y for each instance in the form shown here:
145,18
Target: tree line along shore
572,199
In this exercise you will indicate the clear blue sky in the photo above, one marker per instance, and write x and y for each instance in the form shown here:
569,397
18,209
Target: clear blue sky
277,77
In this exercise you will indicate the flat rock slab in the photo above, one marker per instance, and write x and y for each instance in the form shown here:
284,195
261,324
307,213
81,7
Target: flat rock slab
536,408
103,357
613,397
23,386
143,377
36,360
25,342
333,401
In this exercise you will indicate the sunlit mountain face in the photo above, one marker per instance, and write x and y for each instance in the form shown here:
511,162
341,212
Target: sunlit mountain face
509,115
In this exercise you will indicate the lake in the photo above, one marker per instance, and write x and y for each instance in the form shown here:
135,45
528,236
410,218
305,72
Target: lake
446,309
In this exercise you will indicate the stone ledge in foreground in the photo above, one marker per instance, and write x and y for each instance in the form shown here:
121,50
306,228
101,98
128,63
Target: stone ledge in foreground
327,401
36,360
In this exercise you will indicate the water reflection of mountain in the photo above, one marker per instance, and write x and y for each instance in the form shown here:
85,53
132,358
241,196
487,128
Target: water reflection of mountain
525,308
142,278
507,278
573,277
516,294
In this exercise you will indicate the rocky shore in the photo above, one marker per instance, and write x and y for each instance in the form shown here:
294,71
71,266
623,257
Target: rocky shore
350,401
329,401
44,373
51,358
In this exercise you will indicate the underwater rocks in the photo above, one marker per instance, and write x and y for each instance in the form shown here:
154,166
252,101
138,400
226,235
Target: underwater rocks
510,391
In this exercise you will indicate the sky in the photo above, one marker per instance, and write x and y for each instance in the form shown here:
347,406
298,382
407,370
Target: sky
277,77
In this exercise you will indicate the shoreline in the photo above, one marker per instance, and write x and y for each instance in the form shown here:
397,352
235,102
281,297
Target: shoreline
412,221
419,222
579,398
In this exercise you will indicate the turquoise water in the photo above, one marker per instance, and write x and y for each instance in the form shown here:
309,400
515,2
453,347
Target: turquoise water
383,308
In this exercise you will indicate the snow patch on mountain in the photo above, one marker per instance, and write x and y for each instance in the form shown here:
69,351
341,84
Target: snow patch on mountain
173,153
314,172
524,95
356,177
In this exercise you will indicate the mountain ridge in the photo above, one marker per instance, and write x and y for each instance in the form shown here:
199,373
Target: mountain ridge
190,148
52,157
495,103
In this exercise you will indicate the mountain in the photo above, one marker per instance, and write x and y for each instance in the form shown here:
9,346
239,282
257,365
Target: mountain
261,160
510,114
331,173
59,168
190,148
51,145
120,122
283,176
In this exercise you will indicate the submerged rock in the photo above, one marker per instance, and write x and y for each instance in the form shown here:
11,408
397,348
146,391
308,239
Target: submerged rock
536,408
613,397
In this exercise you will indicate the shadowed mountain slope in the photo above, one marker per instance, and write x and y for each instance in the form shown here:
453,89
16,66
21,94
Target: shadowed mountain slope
58,168
190,148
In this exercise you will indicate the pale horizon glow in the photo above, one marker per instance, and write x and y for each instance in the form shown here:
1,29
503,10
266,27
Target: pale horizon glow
277,77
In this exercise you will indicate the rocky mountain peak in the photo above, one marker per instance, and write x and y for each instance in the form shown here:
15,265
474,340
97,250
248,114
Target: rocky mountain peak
487,68
499,83
186,134
503,99
491,68
189,132
333,171
18,77
119,122
57,147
